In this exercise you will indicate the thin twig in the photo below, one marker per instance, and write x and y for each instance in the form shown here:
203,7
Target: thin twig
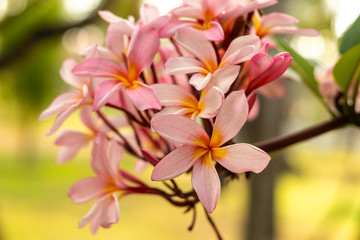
212,223
285,141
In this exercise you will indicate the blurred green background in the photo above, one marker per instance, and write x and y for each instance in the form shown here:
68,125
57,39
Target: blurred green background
314,186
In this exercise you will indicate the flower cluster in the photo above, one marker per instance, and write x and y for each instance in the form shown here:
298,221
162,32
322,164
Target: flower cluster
181,101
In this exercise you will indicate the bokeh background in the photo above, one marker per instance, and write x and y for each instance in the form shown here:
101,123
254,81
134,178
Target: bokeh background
309,191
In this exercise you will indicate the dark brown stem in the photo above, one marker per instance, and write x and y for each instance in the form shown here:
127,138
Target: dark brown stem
113,128
285,141
191,227
212,223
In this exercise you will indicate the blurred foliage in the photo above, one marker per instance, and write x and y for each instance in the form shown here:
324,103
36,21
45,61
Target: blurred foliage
31,50
351,37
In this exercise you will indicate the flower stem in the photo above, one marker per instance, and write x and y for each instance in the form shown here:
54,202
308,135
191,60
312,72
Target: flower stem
212,223
285,141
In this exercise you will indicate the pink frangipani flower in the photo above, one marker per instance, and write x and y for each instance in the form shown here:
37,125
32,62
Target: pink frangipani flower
264,69
197,150
105,187
279,23
67,103
179,101
143,46
207,71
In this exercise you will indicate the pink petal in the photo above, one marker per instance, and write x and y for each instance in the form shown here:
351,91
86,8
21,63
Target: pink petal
258,64
183,65
109,16
239,158
88,119
104,92
224,77
98,67
143,97
281,63
175,163
214,33
212,102
170,29
172,95
206,183
179,129
199,81
228,125
187,11
180,110
60,119
196,43
86,189
117,38
61,103
241,49
67,153
115,154
71,138
238,11
277,19
68,76
294,31
143,46
148,13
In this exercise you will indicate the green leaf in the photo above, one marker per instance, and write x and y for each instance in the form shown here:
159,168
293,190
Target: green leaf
304,67
351,37
347,69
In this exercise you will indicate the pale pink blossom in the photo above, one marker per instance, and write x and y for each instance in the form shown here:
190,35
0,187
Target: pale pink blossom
264,69
176,100
197,150
143,46
279,23
105,187
207,71
67,103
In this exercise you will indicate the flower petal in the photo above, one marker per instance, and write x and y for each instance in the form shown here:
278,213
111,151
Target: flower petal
242,157
175,163
241,49
199,81
183,65
60,119
172,95
196,43
104,92
179,129
143,46
98,67
214,33
211,101
71,138
68,76
227,125
88,120
61,103
67,153
86,189
278,19
224,78
295,31
206,183
143,97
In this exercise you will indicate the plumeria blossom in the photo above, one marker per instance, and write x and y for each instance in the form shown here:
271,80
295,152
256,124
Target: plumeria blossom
143,46
67,103
197,150
109,183
72,141
207,71
264,69
179,101
279,23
